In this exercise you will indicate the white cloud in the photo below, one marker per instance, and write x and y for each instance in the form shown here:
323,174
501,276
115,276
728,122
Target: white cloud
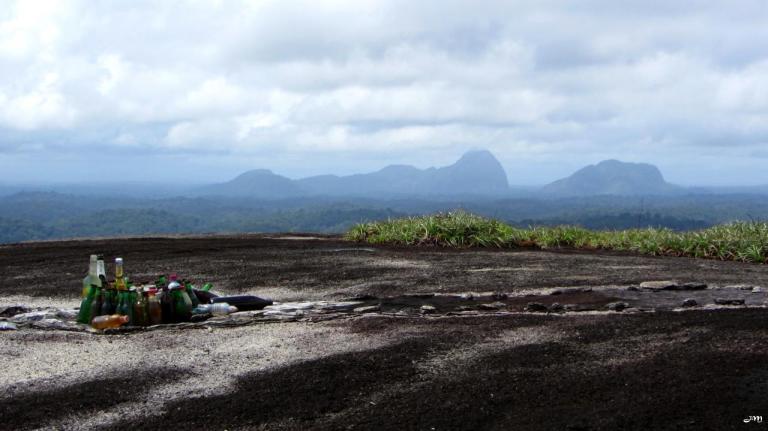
529,80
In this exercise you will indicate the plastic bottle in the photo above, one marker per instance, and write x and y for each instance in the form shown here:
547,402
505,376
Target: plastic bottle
109,322
217,309
154,311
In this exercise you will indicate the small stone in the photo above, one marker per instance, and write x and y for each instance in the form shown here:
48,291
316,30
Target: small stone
659,285
569,290
33,316
8,326
757,289
690,302
428,309
617,306
363,297
340,306
492,306
56,324
536,307
67,313
467,296
368,309
729,301
556,308
420,295
692,286
13,310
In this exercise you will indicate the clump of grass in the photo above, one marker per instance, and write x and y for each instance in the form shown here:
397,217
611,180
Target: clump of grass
740,241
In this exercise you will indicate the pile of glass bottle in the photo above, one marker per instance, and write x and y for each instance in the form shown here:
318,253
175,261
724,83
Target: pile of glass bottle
111,305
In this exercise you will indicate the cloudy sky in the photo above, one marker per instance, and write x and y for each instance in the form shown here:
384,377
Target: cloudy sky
202,90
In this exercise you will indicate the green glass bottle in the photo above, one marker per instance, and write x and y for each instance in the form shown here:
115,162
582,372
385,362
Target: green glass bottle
84,315
98,300
191,293
182,305
89,279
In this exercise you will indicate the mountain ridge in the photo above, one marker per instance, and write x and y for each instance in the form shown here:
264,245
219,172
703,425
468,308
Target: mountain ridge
612,177
476,173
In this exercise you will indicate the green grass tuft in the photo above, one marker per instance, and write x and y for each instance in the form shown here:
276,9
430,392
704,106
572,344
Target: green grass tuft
740,241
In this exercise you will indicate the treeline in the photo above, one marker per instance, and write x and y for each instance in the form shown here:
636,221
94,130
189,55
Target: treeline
38,216
130,221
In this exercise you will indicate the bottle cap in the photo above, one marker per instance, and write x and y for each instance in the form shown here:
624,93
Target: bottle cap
174,277
118,260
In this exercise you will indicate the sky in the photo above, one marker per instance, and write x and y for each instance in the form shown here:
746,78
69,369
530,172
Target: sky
200,91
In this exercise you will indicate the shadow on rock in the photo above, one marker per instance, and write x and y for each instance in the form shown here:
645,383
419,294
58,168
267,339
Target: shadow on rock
298,396
27,411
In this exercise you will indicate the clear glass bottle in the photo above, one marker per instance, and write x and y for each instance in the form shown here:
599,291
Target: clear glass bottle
89,278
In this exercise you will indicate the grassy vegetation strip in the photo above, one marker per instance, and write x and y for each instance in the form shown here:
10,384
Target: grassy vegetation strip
740,241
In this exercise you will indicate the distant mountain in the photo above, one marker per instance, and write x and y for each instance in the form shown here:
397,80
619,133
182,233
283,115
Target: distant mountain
612,177
476,173
260,183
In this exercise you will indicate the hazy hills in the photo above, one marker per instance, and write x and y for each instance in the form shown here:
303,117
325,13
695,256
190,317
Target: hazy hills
475,174
612,177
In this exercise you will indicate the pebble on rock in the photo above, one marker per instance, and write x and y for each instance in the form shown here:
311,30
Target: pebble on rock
492,306
617,306
726,301
658,285
368,309
13,310
536,307
428,309
690,302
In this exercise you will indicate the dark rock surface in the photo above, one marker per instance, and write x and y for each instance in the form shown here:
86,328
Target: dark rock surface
573,366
